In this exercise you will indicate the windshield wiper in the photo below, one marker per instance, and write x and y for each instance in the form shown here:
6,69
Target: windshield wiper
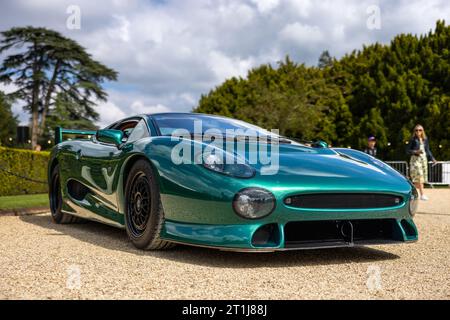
310,143
267,139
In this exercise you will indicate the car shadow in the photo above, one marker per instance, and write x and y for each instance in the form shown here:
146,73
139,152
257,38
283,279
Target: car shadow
116,239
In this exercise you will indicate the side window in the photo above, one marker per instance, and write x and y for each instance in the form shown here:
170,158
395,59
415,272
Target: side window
126,127
140,131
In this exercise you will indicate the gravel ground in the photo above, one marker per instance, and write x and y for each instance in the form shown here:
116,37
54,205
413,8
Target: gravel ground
41,260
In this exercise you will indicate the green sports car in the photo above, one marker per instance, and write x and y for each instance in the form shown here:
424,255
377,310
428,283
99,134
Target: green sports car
217,182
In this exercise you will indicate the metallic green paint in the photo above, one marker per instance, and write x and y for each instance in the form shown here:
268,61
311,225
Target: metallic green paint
60,132
197,202
110,136
239,236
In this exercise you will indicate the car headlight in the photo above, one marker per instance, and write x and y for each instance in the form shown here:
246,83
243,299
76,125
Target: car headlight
413,201
215,163
254,203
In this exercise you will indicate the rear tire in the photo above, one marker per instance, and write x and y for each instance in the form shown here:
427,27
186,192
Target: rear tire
144,215
56,200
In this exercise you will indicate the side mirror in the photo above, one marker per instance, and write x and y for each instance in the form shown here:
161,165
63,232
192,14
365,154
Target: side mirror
110,136
320,144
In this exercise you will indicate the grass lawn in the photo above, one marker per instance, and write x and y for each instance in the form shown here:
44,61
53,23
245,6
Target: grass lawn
24,201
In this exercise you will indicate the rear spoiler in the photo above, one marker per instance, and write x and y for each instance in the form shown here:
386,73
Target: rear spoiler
60,132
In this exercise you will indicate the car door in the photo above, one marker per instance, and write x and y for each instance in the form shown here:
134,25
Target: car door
100,171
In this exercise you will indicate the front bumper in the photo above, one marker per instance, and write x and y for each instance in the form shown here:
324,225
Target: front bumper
293,235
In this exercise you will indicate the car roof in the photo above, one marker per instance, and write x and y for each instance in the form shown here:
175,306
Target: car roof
147,115
183,114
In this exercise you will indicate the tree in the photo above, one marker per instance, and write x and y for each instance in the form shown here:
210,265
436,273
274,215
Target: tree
382,90
301,102
67,113
8,122
325,60
395,86
44,64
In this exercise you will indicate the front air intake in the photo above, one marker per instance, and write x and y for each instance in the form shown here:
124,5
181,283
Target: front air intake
316,234
266,236
343,201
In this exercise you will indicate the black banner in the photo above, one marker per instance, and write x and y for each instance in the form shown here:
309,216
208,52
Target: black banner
211,309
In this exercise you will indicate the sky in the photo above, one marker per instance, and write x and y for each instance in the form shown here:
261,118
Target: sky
169,52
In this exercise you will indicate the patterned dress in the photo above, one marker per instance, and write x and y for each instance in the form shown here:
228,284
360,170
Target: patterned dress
419,166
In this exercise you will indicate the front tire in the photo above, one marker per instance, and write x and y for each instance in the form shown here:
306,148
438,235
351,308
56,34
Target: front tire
144,215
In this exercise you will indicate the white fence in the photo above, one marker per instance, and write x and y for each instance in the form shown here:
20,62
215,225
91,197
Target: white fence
400,166
438,174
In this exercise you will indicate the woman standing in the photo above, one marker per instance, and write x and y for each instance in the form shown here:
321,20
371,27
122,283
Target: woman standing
419,149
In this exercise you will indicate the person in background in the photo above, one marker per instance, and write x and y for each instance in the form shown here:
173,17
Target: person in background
371,148
419,150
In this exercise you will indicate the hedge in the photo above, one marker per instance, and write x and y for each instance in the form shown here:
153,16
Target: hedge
25,163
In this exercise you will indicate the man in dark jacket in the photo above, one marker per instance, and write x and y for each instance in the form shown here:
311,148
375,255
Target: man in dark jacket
371,148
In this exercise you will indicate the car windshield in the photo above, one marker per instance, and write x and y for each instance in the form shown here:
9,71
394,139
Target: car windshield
199,124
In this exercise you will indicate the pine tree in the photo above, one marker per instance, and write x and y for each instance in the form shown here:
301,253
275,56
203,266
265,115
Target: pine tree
45,63
8,122
325,60
381,90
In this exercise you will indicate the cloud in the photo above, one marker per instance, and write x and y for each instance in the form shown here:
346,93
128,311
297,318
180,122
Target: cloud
225,67
301,34
140,107
265,6
169,52
301,8
122,31
109,113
